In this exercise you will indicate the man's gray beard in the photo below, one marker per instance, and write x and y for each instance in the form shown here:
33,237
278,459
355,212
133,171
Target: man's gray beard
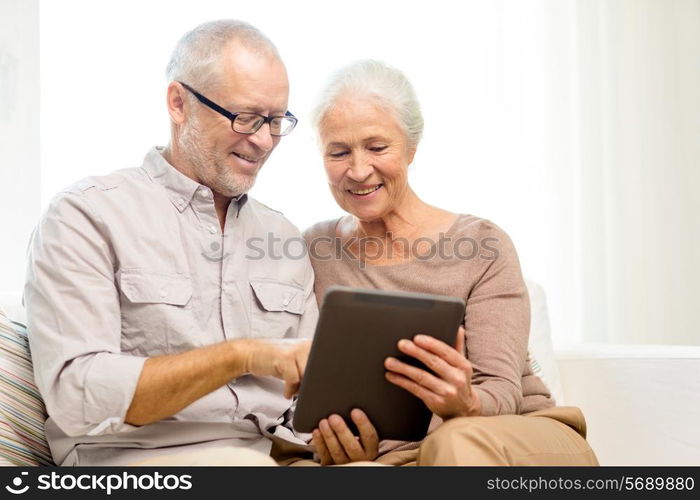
210,168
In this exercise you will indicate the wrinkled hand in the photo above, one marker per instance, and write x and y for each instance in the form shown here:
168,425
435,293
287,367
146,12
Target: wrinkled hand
448,393
335,443
286,362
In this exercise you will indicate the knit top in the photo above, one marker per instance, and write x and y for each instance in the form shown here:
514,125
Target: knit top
474,260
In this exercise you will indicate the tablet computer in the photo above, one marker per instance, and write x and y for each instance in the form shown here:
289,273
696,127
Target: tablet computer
357,330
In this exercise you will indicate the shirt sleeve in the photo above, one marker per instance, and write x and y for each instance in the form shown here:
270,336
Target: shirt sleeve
74,321
497,326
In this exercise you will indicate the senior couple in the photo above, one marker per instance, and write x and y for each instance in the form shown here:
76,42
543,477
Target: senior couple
156,339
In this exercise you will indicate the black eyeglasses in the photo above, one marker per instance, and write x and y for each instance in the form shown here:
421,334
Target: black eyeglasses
249,123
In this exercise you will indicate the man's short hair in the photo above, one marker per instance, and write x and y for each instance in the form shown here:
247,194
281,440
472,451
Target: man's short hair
196,57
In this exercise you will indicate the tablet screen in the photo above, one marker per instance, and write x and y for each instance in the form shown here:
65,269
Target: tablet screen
357,330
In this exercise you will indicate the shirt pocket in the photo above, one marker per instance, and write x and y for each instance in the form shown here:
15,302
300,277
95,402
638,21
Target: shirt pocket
156,312
277,309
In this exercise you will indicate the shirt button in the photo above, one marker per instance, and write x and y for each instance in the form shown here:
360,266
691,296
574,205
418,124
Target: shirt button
212,229
204,193
286,300
180,202
163,293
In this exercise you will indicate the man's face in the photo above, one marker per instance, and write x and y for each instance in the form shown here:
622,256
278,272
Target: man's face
224,160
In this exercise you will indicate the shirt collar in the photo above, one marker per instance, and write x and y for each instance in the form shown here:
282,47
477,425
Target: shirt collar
179,188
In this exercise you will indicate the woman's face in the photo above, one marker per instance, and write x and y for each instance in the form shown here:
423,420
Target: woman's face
366,156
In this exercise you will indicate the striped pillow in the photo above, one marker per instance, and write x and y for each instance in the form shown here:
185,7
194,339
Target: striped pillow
535,366
22,412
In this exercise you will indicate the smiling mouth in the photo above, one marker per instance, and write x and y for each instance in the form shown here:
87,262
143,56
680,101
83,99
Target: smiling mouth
364,192
245,158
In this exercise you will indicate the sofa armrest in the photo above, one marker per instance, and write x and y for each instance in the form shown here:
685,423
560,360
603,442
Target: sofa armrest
641,403
11,304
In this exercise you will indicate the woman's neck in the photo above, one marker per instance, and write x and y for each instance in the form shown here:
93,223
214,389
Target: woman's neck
390,239
405,221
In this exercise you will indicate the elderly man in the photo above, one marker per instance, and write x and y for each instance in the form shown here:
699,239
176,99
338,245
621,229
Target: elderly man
152,330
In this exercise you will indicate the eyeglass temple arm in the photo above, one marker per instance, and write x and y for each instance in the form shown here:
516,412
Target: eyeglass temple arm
226,113
210,104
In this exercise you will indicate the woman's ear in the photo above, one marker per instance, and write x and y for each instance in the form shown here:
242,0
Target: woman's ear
411,154
175,101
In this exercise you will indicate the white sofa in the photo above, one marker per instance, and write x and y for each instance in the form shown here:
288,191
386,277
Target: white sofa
641,402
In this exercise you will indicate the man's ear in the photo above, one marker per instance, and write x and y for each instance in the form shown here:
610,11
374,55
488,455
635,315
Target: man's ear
175,100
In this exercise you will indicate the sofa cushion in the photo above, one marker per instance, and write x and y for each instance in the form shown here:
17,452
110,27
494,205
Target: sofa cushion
540,348
11,305
22,412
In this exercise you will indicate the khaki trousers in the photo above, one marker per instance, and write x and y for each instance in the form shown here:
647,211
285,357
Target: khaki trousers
555,436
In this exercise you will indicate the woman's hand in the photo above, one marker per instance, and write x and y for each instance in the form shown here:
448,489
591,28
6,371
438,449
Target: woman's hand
335,443
449,392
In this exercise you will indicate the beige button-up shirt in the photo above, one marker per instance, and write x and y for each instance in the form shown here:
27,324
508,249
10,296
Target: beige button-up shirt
134,264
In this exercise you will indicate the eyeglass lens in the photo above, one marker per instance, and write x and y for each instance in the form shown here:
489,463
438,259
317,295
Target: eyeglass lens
248,123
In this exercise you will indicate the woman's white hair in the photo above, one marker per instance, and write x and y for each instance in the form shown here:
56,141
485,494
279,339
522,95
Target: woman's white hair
375,80
196,57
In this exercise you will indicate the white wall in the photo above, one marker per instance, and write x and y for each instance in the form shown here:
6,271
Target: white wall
19,135
638,164
573,124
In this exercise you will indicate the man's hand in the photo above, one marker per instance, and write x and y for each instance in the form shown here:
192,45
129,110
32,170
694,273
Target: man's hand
448,393
171,382
270,359
336,445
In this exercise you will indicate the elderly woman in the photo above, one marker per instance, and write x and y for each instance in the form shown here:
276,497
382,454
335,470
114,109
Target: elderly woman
489,408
